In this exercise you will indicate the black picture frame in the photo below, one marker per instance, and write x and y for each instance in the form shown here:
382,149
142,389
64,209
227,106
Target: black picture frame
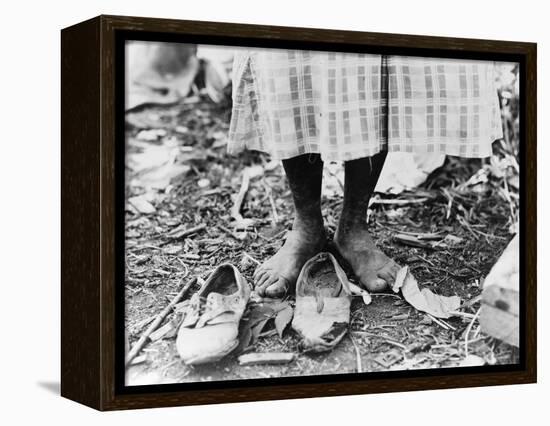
92,206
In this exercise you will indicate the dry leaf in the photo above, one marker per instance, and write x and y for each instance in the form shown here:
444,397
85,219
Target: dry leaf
245,336
259,313
163,332
425,300
139,360
142,205
282,319
358,291
277,305
160,178
258,328
151,135
472,361
400,279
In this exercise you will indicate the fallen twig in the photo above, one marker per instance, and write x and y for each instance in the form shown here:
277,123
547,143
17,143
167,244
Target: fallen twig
269,193
358,362
211,192
276,236
212,253
180,232
462,314
425,260
190,256
230,233
384,338
266,358
386,294
158,320
394,343
236,209
413,241
400,202
471,302
147,246
186,272
245,254
467,226
442,323
468,329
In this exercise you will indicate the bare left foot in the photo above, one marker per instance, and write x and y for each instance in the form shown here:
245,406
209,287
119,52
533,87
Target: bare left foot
371,266
277,275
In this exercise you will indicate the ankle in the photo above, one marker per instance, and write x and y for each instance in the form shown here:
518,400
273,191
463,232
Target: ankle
352,222
349,229
310,227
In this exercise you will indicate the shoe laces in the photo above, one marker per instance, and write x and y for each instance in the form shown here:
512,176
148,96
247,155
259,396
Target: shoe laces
203,302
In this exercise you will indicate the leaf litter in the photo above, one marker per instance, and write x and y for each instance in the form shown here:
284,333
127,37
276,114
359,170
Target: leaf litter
424,300
470,223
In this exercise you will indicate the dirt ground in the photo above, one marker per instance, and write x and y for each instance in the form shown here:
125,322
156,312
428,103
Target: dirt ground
386,335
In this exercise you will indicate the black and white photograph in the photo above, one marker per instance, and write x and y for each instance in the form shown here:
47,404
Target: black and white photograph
293,213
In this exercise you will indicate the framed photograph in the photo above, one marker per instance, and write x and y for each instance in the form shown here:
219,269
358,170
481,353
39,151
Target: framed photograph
255,212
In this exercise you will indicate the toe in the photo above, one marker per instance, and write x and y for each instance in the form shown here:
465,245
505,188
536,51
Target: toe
259,271
278,289
379,284
372,282
260,291
265,282
388,275
388,270
259,275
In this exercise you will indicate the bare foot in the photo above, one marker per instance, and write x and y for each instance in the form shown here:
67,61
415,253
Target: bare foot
371,266
278,275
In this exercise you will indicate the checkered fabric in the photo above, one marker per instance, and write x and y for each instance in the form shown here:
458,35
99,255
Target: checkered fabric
346,106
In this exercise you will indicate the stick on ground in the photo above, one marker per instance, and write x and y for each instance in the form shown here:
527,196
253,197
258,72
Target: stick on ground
468,329
236,209
158,320
180,232
266,358
358,363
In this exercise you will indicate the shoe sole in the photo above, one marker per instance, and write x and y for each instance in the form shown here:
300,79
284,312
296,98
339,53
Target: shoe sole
212,358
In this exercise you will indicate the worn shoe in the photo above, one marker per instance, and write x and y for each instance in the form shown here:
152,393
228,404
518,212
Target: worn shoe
323,300
210,326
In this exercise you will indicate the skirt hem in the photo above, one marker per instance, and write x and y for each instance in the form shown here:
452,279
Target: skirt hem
235,147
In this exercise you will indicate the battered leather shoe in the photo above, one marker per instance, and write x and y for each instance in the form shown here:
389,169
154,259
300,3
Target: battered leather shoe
323,300
210,326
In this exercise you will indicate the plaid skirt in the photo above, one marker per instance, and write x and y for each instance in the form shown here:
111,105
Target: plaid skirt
346,106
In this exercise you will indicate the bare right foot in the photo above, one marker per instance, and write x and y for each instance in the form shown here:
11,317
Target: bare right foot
277,275
375,270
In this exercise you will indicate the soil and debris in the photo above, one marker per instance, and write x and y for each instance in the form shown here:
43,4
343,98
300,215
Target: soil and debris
181,223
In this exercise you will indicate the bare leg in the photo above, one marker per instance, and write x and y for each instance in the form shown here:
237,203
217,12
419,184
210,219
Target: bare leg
372,267
278,274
